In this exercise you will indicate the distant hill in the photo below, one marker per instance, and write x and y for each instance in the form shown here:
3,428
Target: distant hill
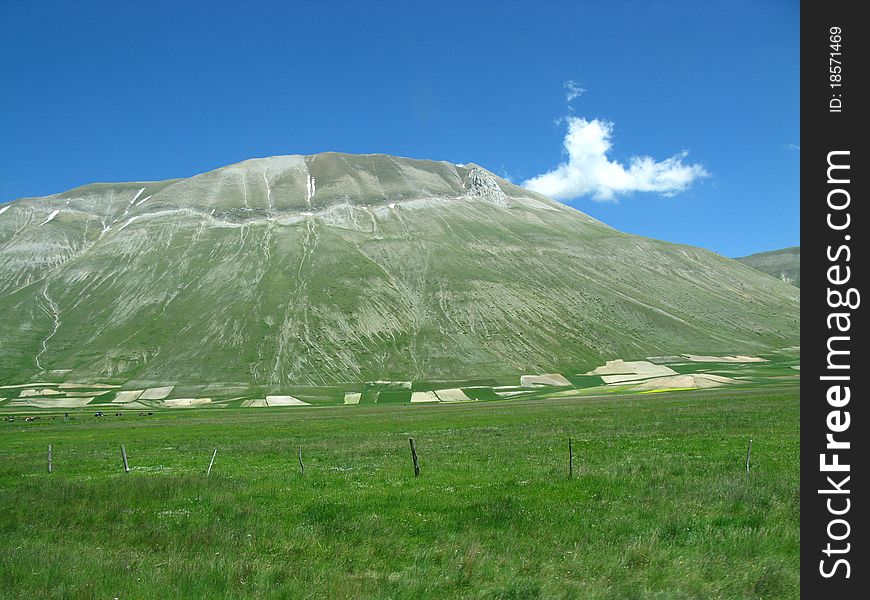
332,268
783,264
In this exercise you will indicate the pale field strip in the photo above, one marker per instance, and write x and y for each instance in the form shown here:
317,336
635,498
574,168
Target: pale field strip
393,385
37,392
274,401
666,360
452,395
417,397
666,372
695,381
717,378
127,396
285,401
132,405
554,379
352,397
631,378
185,402
725,359
157,393
51,402
635,367
96,386
24,385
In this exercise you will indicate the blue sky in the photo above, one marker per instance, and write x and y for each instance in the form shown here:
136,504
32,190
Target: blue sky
121,91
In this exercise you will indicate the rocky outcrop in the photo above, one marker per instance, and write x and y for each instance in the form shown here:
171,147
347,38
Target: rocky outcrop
481,184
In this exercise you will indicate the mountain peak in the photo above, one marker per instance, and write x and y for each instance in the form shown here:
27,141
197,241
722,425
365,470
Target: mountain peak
333,268
294,185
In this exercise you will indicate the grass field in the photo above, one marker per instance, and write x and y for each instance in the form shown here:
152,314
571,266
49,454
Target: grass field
659,506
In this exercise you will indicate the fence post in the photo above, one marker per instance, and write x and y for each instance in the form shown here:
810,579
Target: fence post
301,464
570,459
748,454
414,457
49,459
124,457
211,463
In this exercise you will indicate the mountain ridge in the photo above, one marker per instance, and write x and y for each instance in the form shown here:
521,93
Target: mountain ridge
330,268
784,264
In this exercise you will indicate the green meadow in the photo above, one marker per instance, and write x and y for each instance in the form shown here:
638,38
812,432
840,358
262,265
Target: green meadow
659,505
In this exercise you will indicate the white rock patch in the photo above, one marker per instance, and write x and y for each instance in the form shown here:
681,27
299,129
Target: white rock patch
51,217
141,201
393,385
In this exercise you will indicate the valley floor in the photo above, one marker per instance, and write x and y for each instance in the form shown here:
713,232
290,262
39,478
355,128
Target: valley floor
660,505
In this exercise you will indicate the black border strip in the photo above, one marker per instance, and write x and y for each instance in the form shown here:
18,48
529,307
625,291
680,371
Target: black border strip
832,122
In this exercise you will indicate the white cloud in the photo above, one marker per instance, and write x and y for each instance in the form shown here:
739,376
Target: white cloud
589,171
572,90
792,147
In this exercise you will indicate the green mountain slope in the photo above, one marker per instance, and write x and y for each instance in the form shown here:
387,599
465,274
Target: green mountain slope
783,264
343,268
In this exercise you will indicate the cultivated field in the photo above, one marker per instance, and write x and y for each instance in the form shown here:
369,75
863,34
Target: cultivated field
659,505
655,374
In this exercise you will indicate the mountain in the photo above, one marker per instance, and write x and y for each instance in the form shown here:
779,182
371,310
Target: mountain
783,264
332,268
